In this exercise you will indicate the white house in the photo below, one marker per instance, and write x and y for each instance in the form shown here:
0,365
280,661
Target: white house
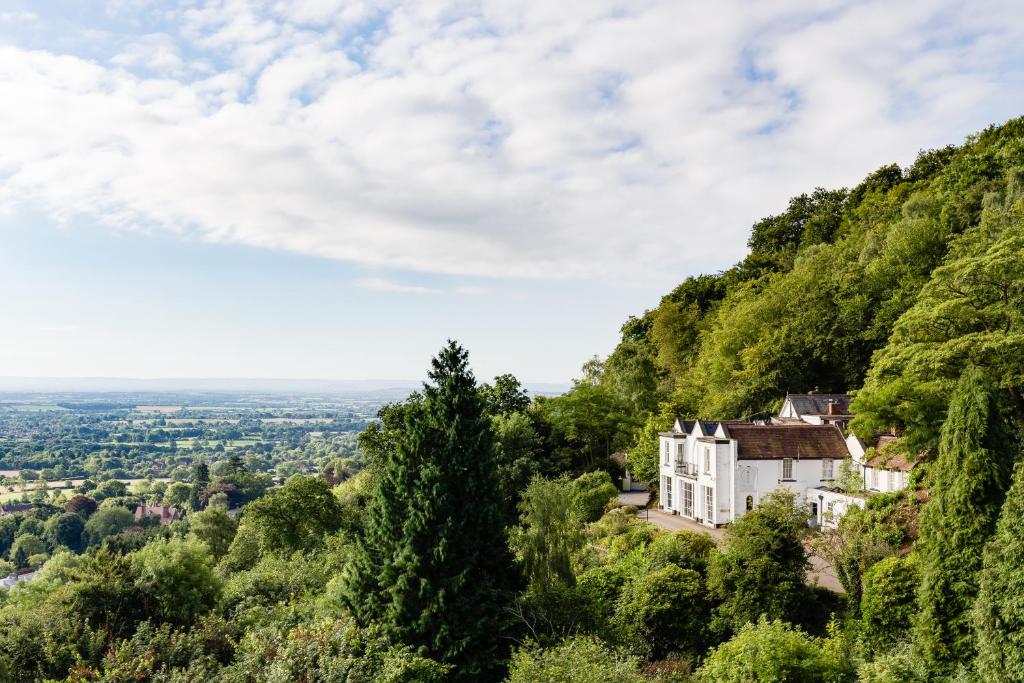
884,470
816,409
714,472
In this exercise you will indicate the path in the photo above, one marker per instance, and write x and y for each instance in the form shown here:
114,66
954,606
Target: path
821,572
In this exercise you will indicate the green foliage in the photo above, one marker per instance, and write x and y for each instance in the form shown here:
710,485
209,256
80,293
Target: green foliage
66,530
505,397
26,546
590,494
888,604
665,611
970,478
970,313
772,651
107,522
297,516
999,609
214,527
518,450
861,538
578,660
328,651
549,534
762,566
177,579
433,568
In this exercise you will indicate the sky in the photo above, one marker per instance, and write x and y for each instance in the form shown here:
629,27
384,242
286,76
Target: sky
333,188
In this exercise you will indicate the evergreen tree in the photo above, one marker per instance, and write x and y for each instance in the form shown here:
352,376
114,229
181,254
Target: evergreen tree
999,610
432,566
970,479
200,480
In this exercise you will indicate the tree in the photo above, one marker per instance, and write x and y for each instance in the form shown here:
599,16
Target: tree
771,651
81,505
999,610
665,611
762,566
200,480
177,578
578,660
505,397
970,478
888,603
177,494
107,522
591,492
67,530
25,546
214,527
517,452
549,535
433,566
968,314
853,546
295,517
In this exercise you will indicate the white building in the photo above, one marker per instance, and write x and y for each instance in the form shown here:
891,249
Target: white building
816,409
883,470
714,472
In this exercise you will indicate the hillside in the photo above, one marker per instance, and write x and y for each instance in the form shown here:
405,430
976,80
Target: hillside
887,290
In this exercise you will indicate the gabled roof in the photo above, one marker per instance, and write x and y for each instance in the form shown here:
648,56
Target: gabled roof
774,442
817,404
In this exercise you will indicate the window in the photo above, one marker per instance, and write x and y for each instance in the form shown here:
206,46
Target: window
668,492
688,499
679,451
893,479
707,461
874,477
709,504
826,469
750,503
668,451
787,468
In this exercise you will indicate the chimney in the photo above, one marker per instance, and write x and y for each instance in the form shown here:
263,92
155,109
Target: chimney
813,391
833,408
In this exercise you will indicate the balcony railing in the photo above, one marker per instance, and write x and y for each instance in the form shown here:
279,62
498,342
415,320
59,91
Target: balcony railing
686,469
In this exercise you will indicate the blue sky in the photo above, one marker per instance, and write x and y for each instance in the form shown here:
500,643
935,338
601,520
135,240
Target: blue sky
328,188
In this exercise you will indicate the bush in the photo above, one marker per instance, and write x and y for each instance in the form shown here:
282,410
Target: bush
177,577
773,651
664,612
591,493
889,600
578,660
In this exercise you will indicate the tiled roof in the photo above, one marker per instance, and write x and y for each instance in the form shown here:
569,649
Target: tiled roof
891,458
772,442
817,404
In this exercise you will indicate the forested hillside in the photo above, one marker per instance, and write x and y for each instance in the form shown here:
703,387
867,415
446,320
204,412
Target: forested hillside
889,289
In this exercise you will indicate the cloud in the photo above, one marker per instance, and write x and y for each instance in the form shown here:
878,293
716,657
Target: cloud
382,285
630,143
18,17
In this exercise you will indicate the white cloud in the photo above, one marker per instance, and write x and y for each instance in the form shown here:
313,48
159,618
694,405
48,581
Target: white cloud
382,285
18,17
498,138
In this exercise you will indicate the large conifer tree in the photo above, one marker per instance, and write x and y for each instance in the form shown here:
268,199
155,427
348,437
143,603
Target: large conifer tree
432,566
999,610
969,484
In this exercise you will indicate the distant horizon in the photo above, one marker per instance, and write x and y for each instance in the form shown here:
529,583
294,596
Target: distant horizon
113,384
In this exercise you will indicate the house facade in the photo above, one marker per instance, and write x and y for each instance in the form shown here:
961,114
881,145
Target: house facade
883,471
715,472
